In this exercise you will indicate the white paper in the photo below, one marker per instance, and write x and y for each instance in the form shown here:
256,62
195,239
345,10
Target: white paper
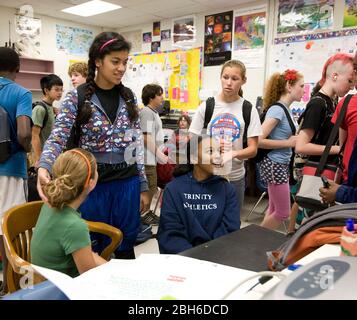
152,276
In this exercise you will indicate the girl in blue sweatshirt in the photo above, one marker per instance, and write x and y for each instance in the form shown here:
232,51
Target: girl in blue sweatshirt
198,205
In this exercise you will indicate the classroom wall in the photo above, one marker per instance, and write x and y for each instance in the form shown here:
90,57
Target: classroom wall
48,43
210,75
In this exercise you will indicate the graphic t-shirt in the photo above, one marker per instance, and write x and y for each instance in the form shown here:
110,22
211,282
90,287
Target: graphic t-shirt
227,123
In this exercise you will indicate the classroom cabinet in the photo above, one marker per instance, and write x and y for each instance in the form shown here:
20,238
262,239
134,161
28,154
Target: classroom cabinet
31,71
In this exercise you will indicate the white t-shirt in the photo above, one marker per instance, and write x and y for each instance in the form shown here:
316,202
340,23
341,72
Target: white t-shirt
151,123
227,121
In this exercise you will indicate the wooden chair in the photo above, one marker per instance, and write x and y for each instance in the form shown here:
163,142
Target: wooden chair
18,224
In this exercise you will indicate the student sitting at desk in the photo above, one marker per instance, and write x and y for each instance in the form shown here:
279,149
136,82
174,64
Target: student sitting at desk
198,205
61,238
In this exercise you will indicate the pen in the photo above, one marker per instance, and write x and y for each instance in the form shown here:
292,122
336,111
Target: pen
350,226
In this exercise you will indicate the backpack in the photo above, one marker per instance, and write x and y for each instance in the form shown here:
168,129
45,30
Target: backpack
262,153
322,228
5,136
43,104
73,141
247,109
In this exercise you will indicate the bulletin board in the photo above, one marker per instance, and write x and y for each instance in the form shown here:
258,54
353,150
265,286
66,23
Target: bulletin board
309,56
178,72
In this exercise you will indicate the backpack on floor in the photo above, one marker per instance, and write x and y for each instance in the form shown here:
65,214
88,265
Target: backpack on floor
323,227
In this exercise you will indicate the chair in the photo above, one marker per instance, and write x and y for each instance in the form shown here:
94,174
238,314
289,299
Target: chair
18,224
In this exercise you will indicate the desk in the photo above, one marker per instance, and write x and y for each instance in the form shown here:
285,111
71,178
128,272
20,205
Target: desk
245,248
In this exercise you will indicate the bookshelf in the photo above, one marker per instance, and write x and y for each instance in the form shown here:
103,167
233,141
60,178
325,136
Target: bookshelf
31,71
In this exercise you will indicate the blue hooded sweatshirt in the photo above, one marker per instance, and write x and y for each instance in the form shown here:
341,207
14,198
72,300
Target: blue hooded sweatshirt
194,212
347,193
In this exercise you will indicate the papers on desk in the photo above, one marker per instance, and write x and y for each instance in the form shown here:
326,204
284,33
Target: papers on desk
152,276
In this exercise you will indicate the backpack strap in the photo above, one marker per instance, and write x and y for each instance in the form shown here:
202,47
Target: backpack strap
247,111
288,116
42,104
209,111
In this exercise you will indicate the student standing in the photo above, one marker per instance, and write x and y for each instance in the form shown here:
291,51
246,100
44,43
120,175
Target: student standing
151,125
61,239
281,91
112,133
78,73
227,124
16,104
198,205
43,116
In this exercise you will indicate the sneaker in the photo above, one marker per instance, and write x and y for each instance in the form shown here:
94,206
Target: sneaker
150,218
144,234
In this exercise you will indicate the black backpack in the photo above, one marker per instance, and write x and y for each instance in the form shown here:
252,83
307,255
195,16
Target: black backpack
5,136
247,109
43,105
73,141
262,153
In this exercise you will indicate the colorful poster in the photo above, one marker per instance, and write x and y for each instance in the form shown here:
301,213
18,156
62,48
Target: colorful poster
155,46
218,38
350,14
75,41
304,15
156,28
147,37
178,72
165,35
28,34
249,31
184,31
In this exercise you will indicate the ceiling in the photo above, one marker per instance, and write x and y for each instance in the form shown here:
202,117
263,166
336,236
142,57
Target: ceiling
133,12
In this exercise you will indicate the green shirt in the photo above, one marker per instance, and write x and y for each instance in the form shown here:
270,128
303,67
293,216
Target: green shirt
38,115
58,233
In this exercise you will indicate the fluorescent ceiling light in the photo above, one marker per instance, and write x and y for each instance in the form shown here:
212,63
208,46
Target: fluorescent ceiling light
91,8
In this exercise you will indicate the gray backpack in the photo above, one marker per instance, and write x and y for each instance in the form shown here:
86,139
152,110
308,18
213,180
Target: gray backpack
334,217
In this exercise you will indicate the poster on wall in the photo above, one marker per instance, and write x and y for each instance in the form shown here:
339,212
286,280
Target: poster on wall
218,38
178,72
249,37
165,35
147,37
350,14
27,36
156,29
304,16
183,31
155,46
75,41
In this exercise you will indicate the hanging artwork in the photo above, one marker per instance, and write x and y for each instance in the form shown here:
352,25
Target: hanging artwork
156,28
184,31
155,46
249,37
218,38
304,15
147,37
28,33
165,35
73,40
350,14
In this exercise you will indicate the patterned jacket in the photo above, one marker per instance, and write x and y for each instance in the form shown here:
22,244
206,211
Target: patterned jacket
109,142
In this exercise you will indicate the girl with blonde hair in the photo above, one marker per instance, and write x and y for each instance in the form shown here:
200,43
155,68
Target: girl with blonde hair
61,238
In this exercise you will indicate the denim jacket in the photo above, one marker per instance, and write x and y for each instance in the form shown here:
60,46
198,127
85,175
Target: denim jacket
109,142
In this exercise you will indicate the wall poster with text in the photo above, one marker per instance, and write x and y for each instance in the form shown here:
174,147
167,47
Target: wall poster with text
218,38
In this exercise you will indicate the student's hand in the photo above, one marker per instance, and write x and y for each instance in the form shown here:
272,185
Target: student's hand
144,202
335,150
43,177
292,141
328,195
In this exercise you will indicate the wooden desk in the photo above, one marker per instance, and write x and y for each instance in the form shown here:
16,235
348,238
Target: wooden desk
245,248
